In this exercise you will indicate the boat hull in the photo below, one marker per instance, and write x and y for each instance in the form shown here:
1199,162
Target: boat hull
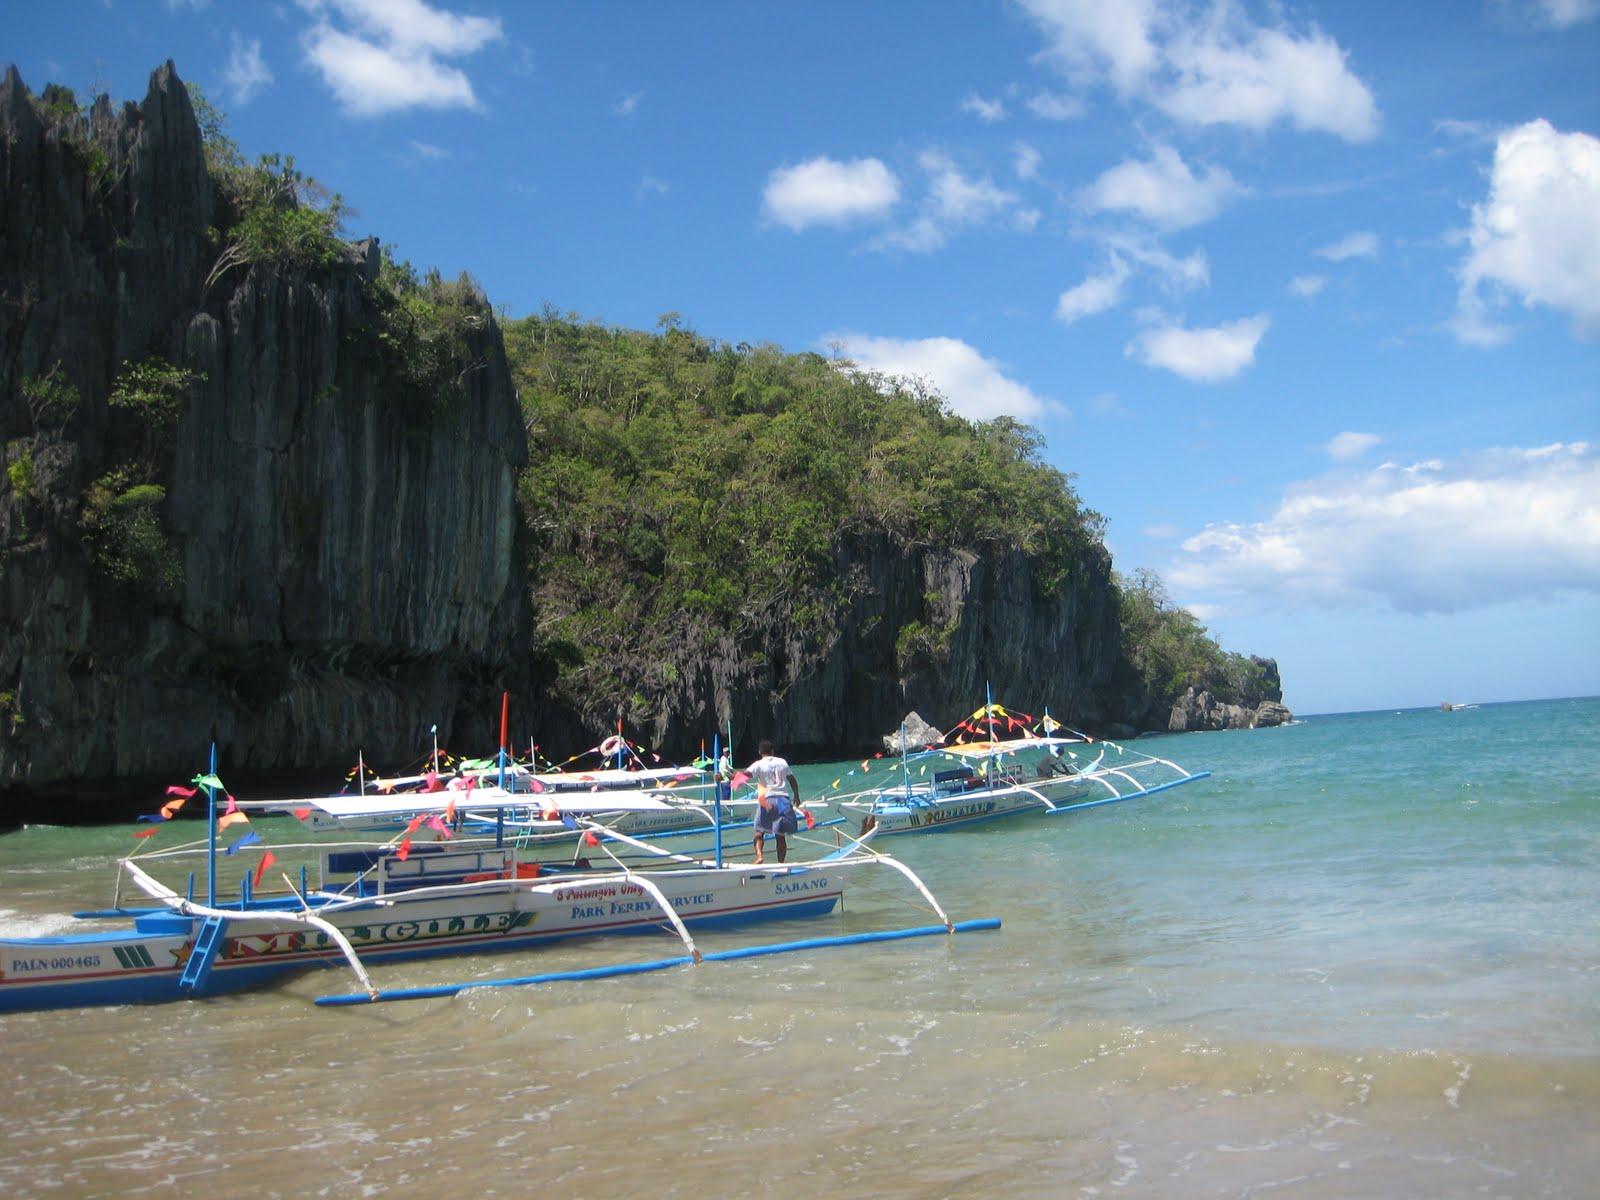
145,964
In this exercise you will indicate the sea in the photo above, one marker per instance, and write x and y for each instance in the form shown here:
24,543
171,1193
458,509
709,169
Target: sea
1362,959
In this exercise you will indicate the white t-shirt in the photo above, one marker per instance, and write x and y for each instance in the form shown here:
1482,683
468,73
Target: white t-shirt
772,773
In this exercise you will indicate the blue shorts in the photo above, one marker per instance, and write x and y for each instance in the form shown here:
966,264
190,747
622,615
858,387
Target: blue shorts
779,818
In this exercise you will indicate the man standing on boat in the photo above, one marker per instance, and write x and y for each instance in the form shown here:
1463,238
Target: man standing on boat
777,792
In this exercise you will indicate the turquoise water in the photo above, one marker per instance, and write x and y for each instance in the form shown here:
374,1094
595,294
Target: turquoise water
1363,959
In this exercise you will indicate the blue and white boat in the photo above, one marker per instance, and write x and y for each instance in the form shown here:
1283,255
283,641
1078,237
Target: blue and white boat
378,902
1047,770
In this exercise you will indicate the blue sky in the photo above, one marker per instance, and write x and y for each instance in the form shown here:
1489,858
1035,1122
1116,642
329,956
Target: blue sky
1307,296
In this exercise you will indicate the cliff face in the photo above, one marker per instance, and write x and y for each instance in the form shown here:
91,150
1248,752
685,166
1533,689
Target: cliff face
345,569
341,569
986,620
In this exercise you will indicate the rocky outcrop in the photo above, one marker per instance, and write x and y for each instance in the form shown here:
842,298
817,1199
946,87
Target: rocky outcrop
913,733
1197,709
345,567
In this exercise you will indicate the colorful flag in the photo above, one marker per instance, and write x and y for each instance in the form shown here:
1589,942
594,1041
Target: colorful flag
302,814
231,818
267,860
251,838
404,852
589,839
146,832
438,826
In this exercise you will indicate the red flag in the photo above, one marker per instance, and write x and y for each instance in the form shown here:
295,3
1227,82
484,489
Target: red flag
811,822
267,860
416,824
589,839
405,848
302,813
151,832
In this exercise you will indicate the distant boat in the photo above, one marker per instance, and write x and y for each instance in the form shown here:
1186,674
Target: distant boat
1446,706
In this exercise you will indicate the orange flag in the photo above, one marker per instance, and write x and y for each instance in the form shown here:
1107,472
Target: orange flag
267,860
232,818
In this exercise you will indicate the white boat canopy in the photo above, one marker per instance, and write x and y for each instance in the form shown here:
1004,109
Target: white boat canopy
480,799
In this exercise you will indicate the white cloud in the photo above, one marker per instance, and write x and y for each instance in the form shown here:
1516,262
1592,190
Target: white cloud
1208,65
412,26
1537,236
975,387
1343,447
1491,527
986,110
391,62
1360,244
1162,190
1307,286
428,151
1025,160
1203,355
953,201
1563,14
649,185
628,105
1176,275
823,191
1050,106
246,72
1095,294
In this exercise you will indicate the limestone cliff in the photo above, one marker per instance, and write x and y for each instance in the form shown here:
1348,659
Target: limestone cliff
342,569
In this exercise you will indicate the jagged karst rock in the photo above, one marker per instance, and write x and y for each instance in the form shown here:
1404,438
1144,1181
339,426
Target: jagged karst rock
915,733
346,570
1270,713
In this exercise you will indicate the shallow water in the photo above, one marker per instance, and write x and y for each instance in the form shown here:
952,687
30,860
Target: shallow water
1360,960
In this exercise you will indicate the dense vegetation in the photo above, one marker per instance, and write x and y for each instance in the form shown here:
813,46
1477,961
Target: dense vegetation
684,485
1170,651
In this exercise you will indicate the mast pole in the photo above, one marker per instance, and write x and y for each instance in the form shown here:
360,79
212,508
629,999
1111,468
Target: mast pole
211,832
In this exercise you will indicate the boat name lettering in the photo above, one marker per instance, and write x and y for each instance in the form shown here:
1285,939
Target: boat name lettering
64,963
790,886
951,813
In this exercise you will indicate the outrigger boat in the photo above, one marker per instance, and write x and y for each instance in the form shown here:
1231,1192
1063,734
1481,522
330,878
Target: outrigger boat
378,903
1045,770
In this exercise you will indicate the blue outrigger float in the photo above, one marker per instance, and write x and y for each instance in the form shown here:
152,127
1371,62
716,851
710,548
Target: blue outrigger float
384,902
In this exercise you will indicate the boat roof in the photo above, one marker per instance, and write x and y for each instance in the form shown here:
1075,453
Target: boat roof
480,799
1011,746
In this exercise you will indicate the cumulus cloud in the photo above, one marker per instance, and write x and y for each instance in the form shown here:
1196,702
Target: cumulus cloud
952,201
1025,160
1162,190
1360,244
1208,65
824,191
1202,355
628,105
1563,14
246,73
975,387
1051,106
1440,536
1095,294
1536,238
986,110
387,55
1343,447
1307,286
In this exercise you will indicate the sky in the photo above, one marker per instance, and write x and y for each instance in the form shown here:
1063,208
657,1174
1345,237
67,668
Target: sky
1305,296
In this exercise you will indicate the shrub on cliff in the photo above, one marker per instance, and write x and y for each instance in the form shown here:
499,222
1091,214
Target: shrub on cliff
685,487
1170,651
